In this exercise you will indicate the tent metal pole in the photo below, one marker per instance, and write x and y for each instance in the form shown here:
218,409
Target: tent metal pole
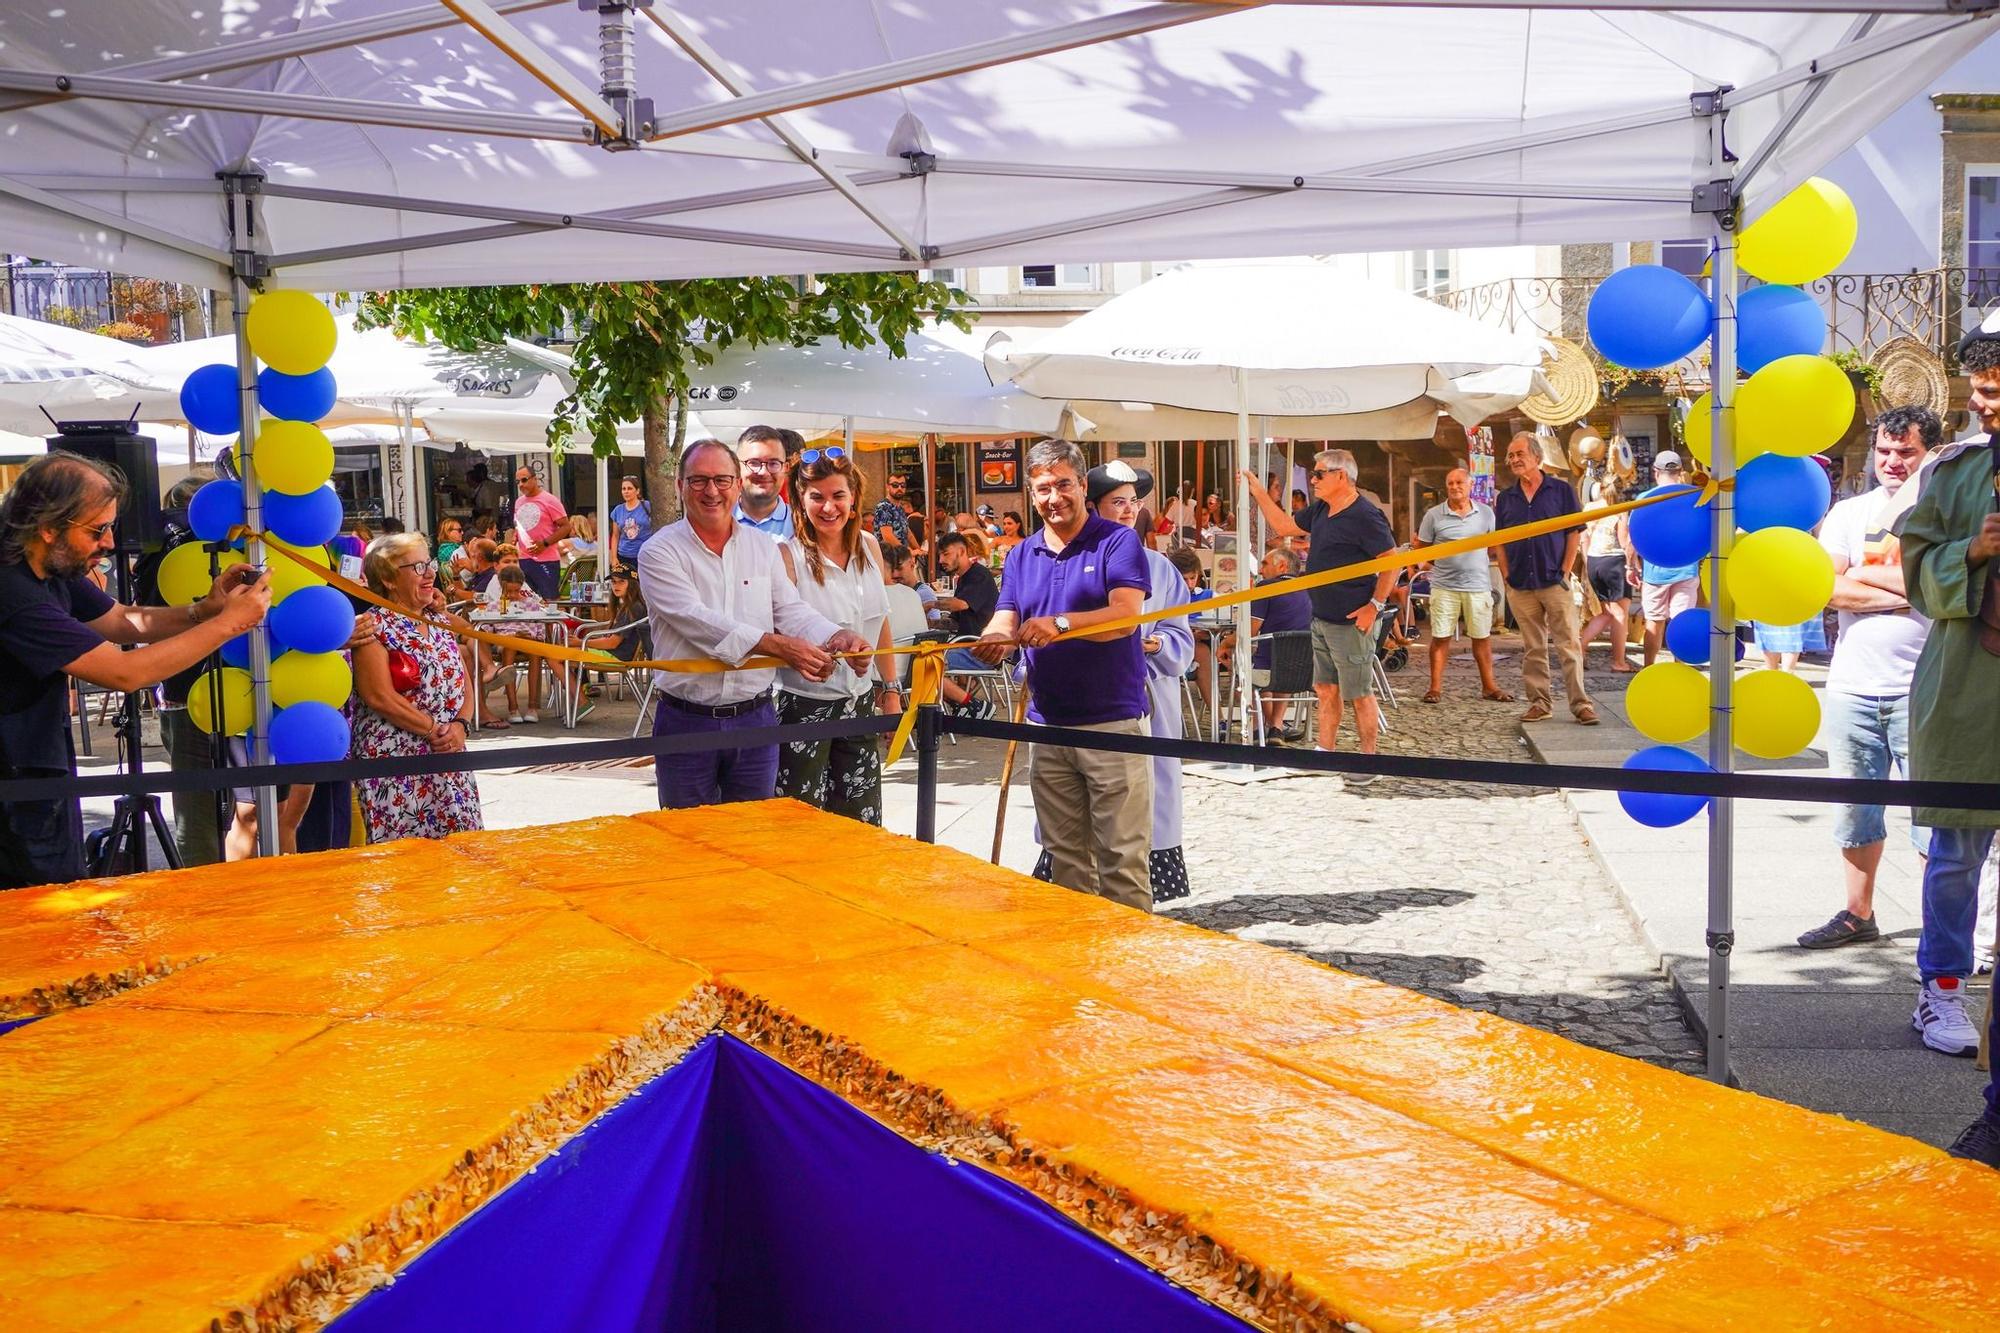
1796,112
1722,662
253,518
607,540
1240,661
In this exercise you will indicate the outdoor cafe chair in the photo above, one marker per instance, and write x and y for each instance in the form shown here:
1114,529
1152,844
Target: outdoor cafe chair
613,669
1291,675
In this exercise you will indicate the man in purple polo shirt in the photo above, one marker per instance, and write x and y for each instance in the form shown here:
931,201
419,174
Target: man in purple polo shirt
1095,808
1537,573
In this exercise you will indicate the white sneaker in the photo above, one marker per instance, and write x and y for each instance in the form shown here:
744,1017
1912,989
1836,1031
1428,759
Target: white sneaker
1941,1017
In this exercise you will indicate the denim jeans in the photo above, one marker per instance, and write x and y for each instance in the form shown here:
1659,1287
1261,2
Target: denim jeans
1951,900
713,777
1867,735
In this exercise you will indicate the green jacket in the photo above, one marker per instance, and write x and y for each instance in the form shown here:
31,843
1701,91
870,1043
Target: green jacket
1955,699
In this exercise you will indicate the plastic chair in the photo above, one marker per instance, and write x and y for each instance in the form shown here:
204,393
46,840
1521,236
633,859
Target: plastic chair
611,667
1383,625
1291,674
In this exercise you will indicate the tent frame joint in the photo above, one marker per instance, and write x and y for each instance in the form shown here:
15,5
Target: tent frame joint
1722,941
1970,6
240,190
1721,196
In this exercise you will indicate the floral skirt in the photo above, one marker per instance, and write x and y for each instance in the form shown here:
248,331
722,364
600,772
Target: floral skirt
841,775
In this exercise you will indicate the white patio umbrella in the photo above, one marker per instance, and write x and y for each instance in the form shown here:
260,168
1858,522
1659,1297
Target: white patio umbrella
67,371
1276,339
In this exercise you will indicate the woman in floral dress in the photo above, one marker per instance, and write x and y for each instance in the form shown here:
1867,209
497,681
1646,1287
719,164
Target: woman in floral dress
410,699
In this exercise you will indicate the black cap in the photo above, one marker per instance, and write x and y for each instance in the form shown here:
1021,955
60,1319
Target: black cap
1108,478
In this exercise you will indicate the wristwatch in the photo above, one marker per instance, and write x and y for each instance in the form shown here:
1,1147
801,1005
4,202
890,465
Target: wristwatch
1378,604
1062,624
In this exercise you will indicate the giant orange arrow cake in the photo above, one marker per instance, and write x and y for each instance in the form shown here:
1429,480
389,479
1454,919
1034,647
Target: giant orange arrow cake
261,1089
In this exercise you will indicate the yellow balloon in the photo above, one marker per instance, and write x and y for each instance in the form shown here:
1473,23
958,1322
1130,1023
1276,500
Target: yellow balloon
239,701
1804,236
1698,431
291,331
1781,576
286,577
184,576
1797,405
301,677
293,456
1776,714
1668,701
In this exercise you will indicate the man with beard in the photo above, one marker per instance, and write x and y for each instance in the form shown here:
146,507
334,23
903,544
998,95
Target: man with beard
56,626
763,452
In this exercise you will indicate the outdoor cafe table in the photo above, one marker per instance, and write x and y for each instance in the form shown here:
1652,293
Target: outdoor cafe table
534,623
1214,623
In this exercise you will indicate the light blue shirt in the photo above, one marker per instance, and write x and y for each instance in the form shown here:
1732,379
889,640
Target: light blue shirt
777,524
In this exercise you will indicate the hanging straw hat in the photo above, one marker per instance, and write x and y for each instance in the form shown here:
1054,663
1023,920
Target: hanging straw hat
1912,376
1620,463
1572,386
1586,445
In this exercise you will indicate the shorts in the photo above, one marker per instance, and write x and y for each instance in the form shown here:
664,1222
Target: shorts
1868,736
1449,605
1607,578
1343,656
1664,601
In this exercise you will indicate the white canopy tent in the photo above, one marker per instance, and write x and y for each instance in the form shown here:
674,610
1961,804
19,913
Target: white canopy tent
399,143
68,371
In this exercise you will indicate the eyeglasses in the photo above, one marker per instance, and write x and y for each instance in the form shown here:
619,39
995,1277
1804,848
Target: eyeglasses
763,465
830,453
1043,490
721,483
422,567
525,476
97,531
1319,472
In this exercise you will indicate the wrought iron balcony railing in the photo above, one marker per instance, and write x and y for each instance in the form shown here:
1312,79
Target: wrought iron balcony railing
1864,310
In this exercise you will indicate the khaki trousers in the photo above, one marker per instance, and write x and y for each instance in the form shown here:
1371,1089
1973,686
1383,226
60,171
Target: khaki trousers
1547,617
1095,809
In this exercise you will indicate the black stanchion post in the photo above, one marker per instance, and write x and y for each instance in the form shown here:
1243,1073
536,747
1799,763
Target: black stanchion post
929,740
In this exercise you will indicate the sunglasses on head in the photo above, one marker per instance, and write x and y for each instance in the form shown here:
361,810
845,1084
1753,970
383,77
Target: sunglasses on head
830,454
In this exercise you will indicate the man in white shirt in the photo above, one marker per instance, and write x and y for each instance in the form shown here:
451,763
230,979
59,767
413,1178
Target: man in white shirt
715,588
1867,705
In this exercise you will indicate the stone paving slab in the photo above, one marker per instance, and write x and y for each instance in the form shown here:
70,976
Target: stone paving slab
1829,1029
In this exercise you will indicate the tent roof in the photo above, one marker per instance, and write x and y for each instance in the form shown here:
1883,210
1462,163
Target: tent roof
408,144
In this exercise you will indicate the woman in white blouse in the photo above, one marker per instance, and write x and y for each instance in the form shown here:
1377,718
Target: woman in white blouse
838,569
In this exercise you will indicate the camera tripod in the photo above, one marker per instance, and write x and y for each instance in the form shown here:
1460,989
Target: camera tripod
121,848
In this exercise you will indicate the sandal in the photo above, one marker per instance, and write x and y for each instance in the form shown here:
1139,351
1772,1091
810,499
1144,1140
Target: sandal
1497,696
497,724
1433,696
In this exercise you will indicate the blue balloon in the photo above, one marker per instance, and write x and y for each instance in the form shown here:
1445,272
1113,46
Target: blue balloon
308,733
211,400
1651,808
297,397
1775,321
312,519
1688,637
1646,317
1773,491
316,619
216,508
1673,532
236,651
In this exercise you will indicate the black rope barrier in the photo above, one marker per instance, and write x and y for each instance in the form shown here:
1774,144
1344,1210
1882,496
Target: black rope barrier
1742,786
1983,796
464,761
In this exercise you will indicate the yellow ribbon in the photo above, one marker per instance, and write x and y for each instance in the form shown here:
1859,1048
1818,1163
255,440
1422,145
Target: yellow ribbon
927,668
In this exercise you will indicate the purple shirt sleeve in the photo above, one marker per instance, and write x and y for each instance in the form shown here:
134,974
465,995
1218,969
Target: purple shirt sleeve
1124,558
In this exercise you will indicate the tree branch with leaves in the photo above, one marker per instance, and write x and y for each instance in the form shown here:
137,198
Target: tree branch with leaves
639,344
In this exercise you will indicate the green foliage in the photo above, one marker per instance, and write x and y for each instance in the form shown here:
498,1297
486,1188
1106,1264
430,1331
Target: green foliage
641,342
1855,364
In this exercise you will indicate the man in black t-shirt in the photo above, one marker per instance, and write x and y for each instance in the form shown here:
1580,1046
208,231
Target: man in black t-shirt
1344,527
974,594
56,625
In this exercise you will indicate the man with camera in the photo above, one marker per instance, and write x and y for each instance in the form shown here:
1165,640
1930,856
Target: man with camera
57,627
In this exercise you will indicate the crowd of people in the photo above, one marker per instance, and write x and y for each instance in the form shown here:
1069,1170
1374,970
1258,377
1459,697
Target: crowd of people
779,555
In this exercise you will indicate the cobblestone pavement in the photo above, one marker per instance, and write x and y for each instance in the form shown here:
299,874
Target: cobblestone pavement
1483,896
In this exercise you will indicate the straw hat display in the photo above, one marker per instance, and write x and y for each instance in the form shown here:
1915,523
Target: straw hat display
1586,445
1623,467
1572,386
1912,375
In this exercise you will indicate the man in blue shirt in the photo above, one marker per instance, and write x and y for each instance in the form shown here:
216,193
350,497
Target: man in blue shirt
1095,807
1537,573
761,450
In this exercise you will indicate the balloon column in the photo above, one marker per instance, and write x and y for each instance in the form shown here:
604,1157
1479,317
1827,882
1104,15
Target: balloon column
1795,404
310,622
